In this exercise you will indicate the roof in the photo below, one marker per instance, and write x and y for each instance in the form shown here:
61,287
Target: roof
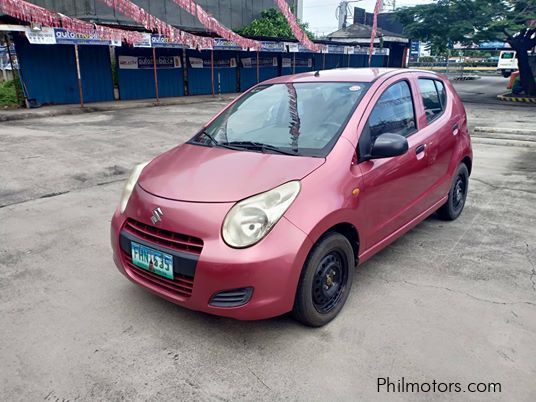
360,31
336,75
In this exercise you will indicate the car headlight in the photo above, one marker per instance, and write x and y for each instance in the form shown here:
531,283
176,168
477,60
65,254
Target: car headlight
130,184
251,219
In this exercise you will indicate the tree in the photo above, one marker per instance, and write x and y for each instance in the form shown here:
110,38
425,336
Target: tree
472,21
272,23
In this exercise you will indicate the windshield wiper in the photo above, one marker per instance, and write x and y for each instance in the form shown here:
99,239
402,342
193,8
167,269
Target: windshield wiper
219,144
261,147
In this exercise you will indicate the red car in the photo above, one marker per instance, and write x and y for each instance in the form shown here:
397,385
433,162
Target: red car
270,207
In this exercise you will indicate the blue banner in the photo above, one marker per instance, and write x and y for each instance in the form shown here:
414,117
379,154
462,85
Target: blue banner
64,37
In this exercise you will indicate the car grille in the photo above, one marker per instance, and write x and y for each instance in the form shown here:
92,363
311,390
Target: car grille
231,298
181,285
174,241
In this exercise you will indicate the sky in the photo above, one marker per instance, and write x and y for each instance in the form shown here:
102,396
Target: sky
320,14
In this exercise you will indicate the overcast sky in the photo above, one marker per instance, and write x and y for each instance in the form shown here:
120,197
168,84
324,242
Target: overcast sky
320,14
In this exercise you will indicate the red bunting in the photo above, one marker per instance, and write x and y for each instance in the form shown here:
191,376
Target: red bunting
212,25
28,12
150,22
377,9
296,30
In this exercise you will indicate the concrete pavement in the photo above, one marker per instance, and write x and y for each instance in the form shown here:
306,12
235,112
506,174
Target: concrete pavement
454,302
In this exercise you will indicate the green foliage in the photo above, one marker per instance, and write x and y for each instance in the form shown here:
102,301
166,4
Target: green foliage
272,23
466,21
8,93
445,22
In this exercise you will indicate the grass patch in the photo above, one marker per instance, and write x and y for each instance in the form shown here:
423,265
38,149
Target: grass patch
8,94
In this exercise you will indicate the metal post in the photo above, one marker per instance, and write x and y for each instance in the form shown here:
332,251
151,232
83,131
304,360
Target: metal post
212,69
77,59
17,90
258,75
294,63
155,76
323,61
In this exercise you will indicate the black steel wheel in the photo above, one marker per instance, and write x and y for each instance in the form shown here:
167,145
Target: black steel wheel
325,281
457,195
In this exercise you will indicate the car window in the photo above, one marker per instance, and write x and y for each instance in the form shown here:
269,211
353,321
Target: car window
303,117
442,93
393,113
430,99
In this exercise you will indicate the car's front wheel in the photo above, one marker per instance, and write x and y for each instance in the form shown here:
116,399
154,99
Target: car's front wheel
457,195
325,281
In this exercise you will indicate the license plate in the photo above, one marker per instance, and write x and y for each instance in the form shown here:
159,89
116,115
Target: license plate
152,260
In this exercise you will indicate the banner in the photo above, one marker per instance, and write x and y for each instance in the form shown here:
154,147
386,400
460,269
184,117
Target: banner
224,44
65,37
269,46
251,62
62,36
146,62
44,37
299,62
198,62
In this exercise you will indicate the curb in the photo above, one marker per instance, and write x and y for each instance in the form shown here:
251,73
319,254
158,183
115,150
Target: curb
504,130
37,114
523,99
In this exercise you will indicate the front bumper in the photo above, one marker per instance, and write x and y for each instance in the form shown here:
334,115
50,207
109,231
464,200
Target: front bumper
272,267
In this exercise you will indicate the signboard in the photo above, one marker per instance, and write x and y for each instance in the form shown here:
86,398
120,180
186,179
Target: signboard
414,50
198,62
293,47
145,43
61,36
143,62
65,37
224,44
164,41
44,37
268,46
286,62
251,62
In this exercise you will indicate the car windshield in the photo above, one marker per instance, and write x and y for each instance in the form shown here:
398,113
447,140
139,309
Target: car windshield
291,118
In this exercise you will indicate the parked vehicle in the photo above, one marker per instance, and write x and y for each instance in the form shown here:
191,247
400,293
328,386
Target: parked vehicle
507,63
269,208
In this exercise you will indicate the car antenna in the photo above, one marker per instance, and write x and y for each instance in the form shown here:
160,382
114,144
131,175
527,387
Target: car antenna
317,73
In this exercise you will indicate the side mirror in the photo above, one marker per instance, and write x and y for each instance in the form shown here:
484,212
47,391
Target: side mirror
388,145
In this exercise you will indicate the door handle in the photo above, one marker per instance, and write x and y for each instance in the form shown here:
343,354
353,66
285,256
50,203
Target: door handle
455,129
421,148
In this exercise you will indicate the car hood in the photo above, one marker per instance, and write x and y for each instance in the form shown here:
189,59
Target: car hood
214,174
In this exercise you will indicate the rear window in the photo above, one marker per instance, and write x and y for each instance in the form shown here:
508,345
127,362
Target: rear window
433,97
508,55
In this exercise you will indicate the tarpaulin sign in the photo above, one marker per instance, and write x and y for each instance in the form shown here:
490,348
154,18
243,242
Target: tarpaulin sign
65,37
251,62
143,62
198,62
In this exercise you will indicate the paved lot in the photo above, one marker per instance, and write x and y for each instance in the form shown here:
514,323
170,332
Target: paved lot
454,302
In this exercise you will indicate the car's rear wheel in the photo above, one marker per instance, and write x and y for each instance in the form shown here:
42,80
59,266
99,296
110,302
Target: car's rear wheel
325,281
457,195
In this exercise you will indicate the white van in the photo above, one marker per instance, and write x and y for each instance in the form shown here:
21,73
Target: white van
507,62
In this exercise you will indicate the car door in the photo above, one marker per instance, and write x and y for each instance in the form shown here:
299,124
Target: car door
391,187
440,124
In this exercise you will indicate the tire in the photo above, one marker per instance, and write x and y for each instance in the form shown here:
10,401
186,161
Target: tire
506,74
325,281
457,195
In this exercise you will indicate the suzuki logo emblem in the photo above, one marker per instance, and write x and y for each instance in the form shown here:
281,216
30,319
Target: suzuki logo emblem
157,215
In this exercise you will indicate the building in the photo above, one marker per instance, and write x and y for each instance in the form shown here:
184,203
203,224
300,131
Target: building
231,13
389,34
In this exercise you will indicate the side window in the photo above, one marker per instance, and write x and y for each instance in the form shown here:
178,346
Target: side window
393,113
442,93
430,98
